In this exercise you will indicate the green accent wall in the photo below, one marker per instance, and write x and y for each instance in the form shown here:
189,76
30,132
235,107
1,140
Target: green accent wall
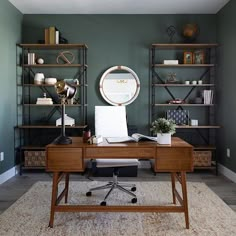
10,34
118,40
226,35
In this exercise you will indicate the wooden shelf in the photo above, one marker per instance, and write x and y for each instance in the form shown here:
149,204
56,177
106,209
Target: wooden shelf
49,85
183,104
54,65
184,45
204,167
52,46
50,127
212,167
183,85
197,127
52,105
32,148
34,167
204,148
184,65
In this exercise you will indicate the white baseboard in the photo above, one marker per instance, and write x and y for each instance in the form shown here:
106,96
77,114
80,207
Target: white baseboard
227,172
9,174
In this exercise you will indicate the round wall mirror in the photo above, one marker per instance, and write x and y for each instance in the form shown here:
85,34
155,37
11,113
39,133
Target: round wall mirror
119,85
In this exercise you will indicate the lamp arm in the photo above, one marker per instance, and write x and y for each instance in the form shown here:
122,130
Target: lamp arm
64,93
63,131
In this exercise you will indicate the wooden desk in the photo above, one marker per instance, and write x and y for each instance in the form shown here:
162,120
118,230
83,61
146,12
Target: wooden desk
176,158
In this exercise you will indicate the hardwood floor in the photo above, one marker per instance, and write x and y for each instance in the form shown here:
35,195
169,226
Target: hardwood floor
14,188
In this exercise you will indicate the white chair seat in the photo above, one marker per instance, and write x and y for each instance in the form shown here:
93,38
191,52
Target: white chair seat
116,162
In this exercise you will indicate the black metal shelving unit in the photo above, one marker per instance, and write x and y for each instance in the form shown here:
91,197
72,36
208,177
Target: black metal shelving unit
36,124
206,130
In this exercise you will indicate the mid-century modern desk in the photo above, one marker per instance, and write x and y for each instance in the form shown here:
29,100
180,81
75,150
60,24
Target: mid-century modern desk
176,158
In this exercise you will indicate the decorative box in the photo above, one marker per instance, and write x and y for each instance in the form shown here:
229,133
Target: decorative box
171,62
67,120
181,117
44,101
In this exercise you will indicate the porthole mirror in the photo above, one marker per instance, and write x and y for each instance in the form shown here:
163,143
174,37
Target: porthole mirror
119,85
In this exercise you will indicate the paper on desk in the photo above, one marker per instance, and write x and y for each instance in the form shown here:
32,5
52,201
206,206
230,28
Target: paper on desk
120,139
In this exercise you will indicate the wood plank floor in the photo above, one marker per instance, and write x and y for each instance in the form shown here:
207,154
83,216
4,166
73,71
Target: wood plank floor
14,188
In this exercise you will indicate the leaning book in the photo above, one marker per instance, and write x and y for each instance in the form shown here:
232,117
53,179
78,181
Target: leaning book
133,138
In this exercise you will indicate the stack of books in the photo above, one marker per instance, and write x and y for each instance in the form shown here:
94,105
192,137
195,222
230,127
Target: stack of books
44,101
51,35
171,62
208,96
31,58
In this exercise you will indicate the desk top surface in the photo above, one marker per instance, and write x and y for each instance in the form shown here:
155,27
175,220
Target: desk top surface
78,142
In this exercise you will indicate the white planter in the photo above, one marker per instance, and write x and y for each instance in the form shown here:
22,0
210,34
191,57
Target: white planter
164,138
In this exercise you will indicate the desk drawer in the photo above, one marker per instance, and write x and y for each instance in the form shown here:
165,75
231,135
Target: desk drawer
64,159
174,159
120,152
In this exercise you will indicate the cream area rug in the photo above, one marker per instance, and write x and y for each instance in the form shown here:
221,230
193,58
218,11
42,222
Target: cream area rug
208,214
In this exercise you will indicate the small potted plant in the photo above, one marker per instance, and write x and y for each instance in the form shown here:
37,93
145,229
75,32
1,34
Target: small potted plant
163,128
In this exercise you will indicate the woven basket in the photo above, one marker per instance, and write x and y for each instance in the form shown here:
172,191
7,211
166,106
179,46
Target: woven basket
35,158
202,158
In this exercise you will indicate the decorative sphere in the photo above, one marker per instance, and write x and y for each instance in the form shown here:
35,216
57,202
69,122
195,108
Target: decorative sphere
190,32
40,61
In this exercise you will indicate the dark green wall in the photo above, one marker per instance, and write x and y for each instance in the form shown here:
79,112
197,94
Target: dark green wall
10,34
118,40
226,36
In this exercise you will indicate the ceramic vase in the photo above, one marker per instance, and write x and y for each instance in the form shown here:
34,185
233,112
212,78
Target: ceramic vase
164,138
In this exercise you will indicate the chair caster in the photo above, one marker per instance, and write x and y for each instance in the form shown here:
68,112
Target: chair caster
134,200
88,194
103,203
133,189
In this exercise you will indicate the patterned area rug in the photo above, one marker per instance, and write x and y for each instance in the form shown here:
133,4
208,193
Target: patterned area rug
209,215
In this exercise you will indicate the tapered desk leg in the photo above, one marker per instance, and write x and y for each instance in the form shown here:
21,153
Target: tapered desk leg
54,197
173,186
185,199
67,186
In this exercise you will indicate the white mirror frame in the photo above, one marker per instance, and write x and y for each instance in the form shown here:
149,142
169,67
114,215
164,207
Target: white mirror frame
104,95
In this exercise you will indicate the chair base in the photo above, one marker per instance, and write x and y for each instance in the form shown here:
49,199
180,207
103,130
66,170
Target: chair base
115,185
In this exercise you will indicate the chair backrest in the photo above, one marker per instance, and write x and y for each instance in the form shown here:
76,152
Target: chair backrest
110,121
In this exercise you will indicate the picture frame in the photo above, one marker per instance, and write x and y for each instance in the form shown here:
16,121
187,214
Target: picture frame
199,57
188,57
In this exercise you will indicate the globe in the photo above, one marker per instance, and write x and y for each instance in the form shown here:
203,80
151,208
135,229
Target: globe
190,32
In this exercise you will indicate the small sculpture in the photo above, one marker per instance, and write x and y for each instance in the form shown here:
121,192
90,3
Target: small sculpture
66,56
171,31
171,78
190,32
40,61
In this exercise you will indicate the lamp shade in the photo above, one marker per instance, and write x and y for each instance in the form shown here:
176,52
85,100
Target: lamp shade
65,90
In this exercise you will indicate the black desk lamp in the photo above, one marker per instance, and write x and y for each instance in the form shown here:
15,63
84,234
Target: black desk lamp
65,91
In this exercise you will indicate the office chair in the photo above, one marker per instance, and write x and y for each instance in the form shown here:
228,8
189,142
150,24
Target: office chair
110,121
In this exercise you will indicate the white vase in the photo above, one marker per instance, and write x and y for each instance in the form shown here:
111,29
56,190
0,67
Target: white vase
39,78
164,138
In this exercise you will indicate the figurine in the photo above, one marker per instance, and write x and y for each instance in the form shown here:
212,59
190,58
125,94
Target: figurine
171,78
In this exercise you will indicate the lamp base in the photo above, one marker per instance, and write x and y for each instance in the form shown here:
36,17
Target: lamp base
62,140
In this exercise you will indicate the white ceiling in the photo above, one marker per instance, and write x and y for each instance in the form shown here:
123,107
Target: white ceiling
119,6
